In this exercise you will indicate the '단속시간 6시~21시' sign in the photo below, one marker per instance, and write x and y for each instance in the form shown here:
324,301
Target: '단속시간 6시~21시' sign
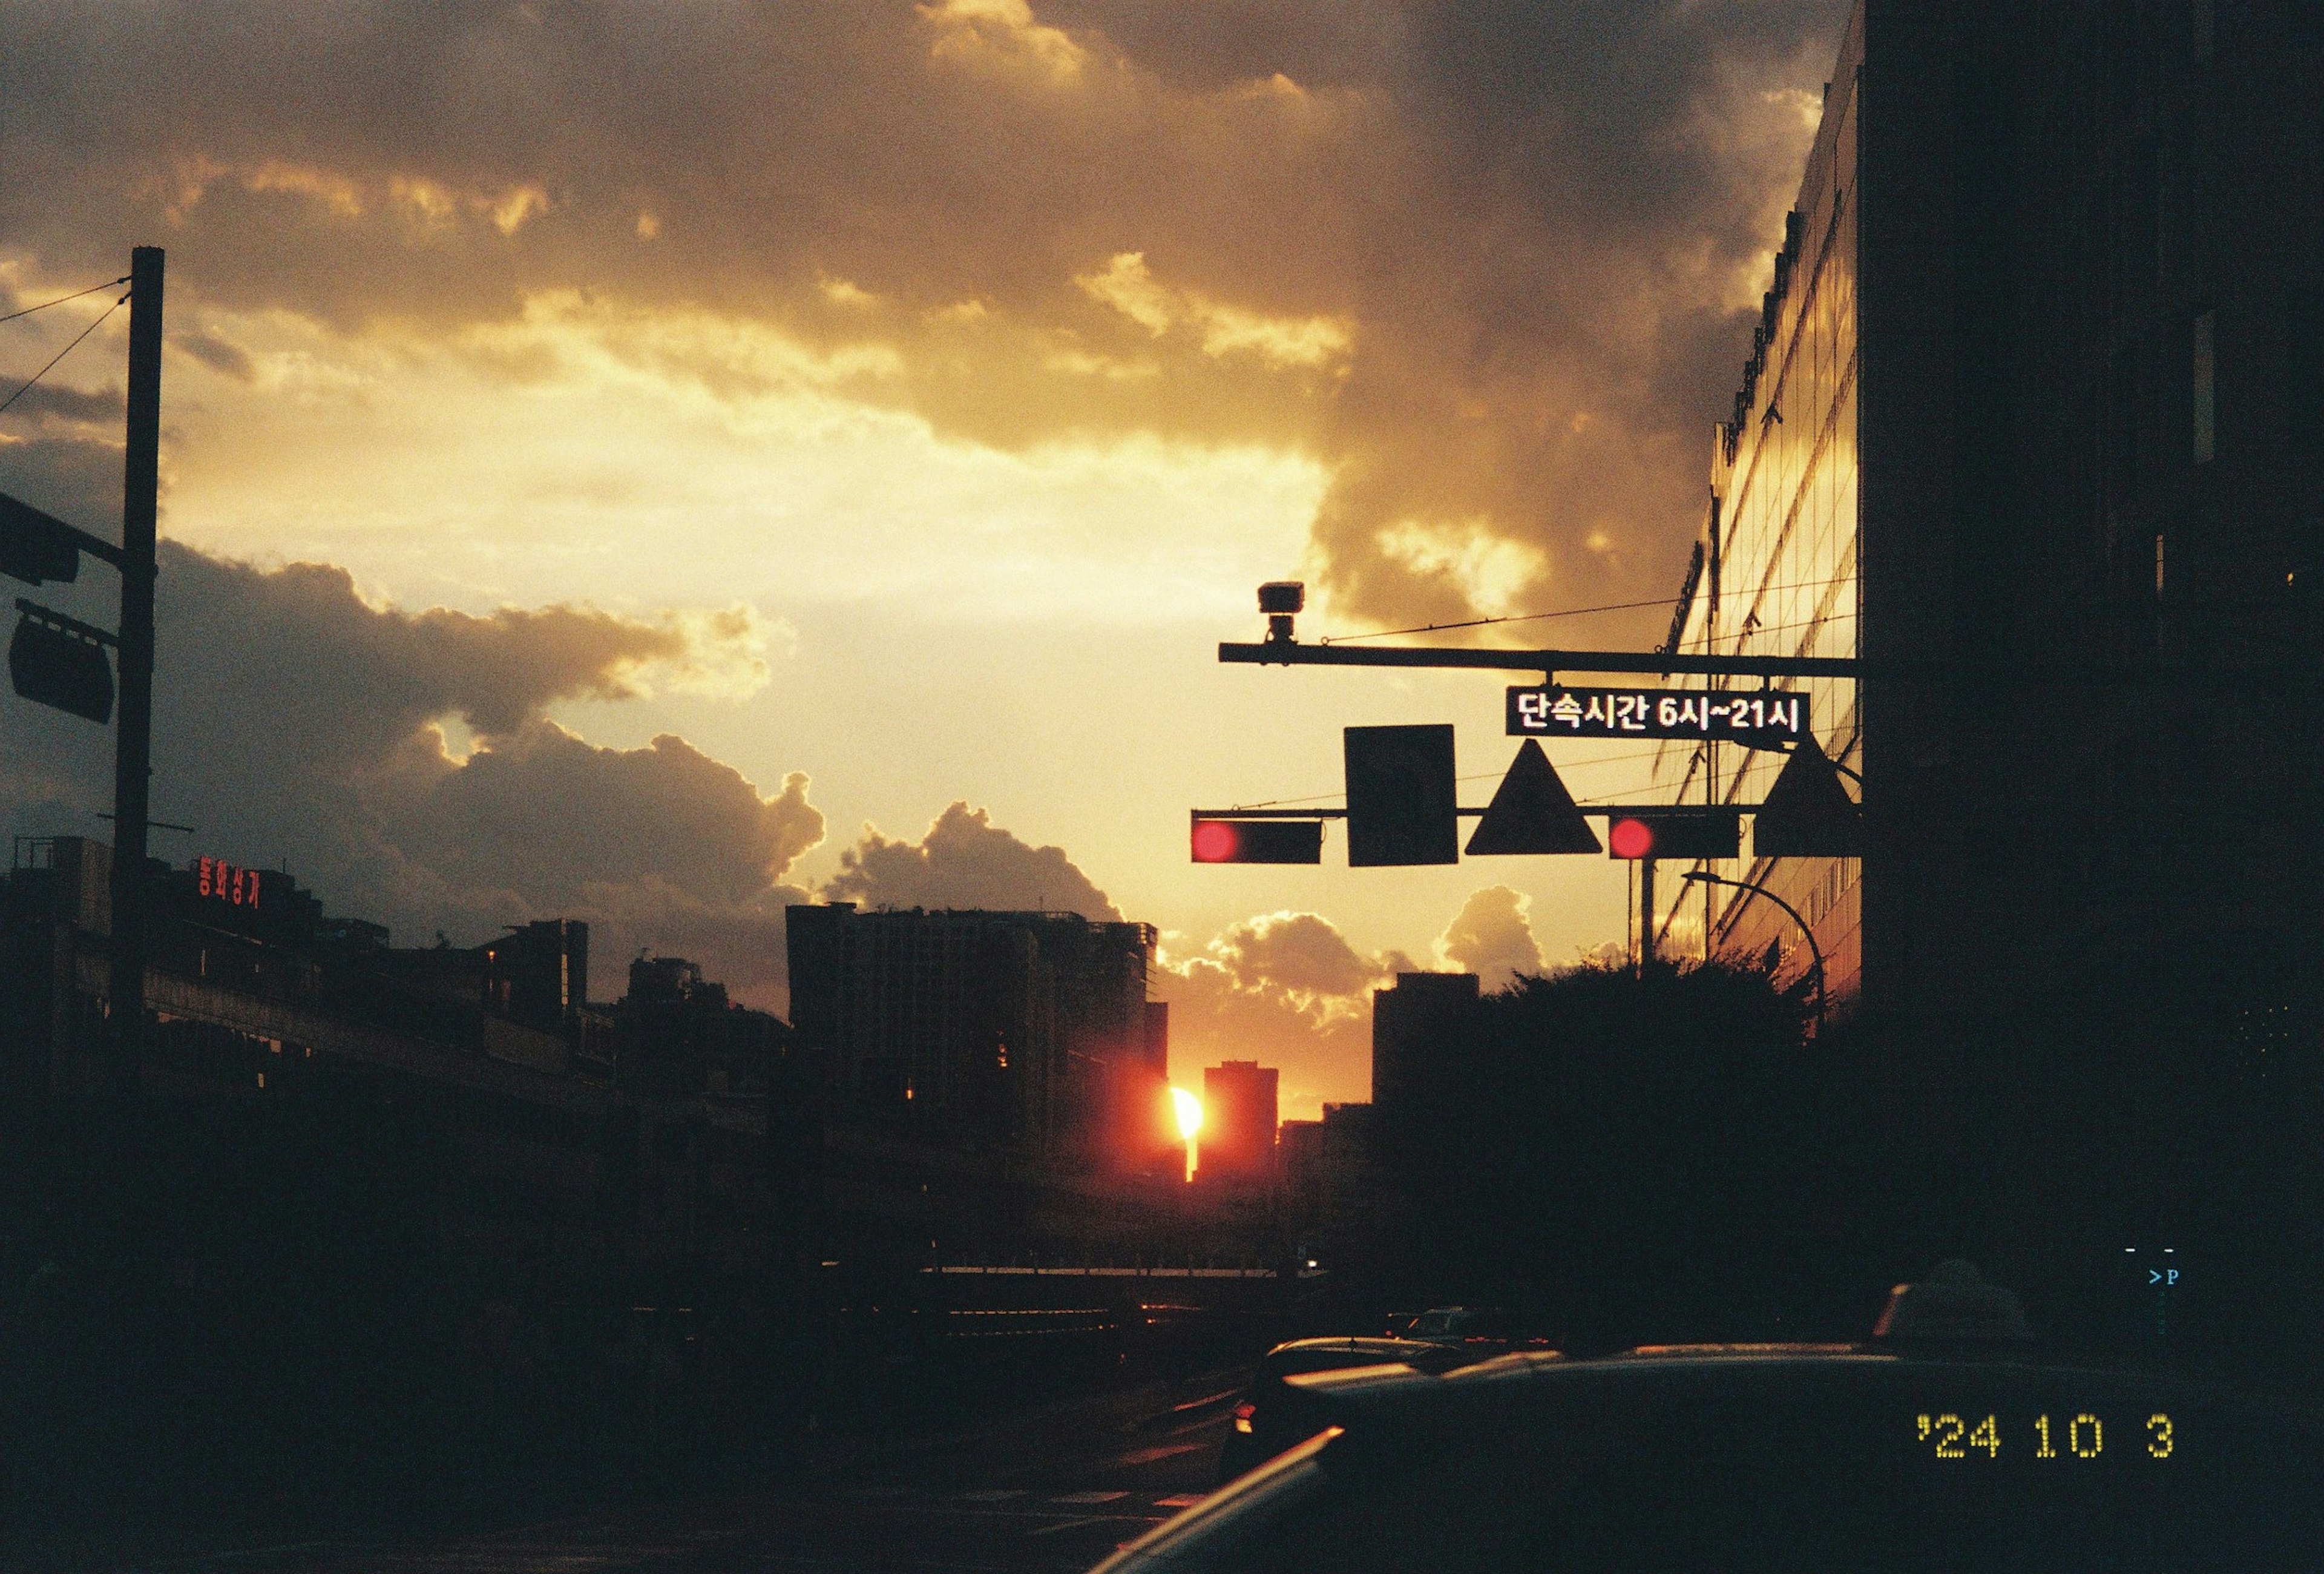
1758,718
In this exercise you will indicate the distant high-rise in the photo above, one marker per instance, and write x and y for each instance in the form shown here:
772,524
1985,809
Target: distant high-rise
1240,1108
1031,1030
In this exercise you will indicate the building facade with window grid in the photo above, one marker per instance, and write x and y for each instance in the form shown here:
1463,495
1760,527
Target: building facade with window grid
2053,266
1778,573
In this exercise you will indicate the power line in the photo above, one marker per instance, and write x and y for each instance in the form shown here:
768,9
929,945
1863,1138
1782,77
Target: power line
69,349
1485,776
1342,639
60,300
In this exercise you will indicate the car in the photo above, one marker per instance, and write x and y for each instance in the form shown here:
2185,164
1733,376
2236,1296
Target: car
1272,1414
1949,1441
1473,1325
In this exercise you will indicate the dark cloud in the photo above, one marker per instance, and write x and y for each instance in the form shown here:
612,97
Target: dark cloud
297,723
298,647
75,406
964,860
1531,226
666,813
217,352
70,475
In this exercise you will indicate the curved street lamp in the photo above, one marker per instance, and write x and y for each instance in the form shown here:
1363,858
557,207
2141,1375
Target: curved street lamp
1815,951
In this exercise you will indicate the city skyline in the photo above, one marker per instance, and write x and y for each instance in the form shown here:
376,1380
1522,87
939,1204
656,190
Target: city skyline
634,535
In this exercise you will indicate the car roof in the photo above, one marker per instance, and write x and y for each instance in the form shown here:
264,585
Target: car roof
1401,1391
1361,1344
1369,1419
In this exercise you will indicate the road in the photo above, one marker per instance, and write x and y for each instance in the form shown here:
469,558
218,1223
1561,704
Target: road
1056,1489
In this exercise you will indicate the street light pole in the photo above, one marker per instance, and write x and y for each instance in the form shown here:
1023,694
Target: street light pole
1815,952
134,723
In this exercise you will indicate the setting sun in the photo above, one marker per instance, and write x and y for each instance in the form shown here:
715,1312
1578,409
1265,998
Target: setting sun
1189,1110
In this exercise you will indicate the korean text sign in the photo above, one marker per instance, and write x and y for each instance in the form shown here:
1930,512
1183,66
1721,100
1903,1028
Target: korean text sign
1758,718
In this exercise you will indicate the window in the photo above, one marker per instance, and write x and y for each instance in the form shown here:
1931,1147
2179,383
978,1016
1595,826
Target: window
2206,345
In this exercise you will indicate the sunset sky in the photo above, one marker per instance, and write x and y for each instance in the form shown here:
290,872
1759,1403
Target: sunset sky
653,462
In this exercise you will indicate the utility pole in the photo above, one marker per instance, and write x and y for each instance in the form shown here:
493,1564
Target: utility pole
133,725
1645,914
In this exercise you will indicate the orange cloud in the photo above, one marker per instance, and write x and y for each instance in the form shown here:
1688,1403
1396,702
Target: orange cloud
1489,265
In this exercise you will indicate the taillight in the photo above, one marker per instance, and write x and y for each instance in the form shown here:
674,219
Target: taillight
1242,1414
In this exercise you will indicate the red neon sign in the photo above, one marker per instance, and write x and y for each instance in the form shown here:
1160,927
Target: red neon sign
224,882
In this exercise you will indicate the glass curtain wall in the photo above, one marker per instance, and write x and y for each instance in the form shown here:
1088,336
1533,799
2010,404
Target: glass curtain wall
1780,574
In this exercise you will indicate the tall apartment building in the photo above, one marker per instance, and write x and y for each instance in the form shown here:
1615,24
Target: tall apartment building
1031,1030
2034,424
1241,1107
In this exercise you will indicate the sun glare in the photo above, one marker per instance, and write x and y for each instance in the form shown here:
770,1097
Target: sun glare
1189,1110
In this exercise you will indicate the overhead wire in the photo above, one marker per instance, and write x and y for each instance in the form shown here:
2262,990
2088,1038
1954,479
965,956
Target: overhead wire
1484,776
1340,639
60,300
61,353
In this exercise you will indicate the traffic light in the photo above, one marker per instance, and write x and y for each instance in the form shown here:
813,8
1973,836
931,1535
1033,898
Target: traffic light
56,661
35,547
1257,841
1673,833
1401,808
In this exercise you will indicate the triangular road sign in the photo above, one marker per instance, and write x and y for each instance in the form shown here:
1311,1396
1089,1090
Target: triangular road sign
1532,812
1807,813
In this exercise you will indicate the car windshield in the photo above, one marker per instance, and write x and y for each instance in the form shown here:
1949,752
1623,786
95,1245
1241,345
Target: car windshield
1793,1469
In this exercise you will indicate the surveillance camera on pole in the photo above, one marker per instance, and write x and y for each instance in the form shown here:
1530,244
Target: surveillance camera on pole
1281,600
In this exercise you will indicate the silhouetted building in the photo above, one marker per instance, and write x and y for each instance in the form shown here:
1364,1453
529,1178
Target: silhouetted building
1239,1107
1333,1183
348,1158
538,972
1418,1011
1299,1154
1031,1030
2038,393
677,1032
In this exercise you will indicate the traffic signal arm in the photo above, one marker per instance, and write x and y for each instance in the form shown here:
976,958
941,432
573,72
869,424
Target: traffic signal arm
1291,654
1608,811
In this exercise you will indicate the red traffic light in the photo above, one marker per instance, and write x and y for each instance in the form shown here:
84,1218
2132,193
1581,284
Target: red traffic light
1257,841
1680,833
